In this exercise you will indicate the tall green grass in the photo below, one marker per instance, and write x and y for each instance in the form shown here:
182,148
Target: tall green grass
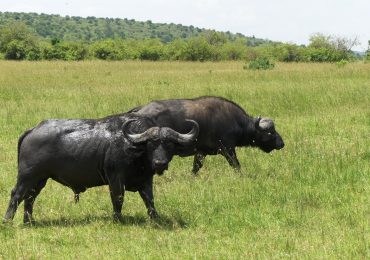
309,200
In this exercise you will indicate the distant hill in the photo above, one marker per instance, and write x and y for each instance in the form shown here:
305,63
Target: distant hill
89,29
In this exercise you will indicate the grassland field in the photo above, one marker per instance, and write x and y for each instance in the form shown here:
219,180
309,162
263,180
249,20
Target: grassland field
310,200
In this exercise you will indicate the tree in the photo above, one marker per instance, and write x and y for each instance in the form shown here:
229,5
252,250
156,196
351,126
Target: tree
197,49
18,42
319,40
215,38
329,48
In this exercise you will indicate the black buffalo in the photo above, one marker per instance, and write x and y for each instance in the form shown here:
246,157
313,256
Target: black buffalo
223,126
84,153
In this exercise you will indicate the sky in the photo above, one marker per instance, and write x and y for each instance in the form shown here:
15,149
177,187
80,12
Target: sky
284,20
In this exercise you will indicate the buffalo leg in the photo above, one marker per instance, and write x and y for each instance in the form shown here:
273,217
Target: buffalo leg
117,191
30,199
16,197
198,162
231,158
77,197
148,198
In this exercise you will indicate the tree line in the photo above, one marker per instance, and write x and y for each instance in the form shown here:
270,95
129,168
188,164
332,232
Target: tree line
20,42
91,29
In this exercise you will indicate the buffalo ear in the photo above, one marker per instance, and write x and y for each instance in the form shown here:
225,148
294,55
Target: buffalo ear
257,122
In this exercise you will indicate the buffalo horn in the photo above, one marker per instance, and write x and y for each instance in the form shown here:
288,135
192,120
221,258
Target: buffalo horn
185,138
140,137
266,123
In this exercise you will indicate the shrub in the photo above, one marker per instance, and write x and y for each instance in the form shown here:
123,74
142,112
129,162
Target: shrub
197,49
106,50
175,50
233,51
341,63
151,50
65,51
15,50
150,53
34,53
73,50
18,42
261,63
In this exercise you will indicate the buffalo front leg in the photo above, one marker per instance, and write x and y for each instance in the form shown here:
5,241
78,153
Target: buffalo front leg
147,195
117,191
29,201
230,155
198,162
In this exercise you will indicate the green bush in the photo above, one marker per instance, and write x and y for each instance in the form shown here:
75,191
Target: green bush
233,51
175,50
65,51
106,50
262,63
341,63
151,50
15,50
74,50
197,49
17,42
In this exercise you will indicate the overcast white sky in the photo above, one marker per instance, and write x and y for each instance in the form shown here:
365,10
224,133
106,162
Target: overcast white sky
284,20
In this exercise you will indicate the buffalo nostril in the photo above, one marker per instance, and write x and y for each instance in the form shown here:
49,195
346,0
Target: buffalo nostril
160,162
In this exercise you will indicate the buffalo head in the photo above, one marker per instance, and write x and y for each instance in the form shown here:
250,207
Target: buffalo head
266,138
159,144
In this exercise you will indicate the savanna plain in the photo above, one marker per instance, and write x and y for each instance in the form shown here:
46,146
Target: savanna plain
308,200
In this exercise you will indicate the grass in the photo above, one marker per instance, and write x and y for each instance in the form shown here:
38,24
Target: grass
309,200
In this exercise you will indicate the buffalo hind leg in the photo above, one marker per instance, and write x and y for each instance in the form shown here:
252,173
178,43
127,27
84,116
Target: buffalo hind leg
198,162
30,199
231,158
16,197
147,195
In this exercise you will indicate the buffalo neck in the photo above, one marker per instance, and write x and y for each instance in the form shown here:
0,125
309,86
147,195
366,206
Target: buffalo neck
249,131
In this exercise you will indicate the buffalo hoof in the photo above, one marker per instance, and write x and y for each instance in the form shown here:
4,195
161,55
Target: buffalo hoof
6,221
28,219
77,197
153,214
117,217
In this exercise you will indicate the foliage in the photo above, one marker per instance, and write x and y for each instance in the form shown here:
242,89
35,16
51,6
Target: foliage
307,201
15,50
328,48
65,51
151,50
234,50
91,29
197,49
108,50
341,63
19,41
262,63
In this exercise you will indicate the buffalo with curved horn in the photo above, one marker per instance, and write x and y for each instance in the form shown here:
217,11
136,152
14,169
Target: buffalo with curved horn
223,126
122,151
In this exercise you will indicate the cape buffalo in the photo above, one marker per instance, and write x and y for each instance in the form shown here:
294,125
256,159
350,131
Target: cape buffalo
223,126
122,151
